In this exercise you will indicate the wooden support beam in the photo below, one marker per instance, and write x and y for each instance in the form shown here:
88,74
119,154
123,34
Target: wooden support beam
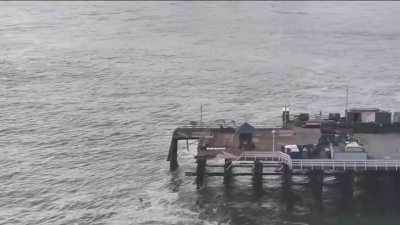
257,175
316,183
227,172
287,192
347,186
395,175
173,155
200,172
373,187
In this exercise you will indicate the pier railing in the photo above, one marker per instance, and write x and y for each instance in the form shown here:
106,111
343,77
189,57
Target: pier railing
285,158
369,164
258,155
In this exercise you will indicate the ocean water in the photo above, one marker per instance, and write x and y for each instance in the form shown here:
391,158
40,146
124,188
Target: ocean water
90,93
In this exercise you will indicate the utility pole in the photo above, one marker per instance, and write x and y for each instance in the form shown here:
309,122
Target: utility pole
284,118
273,138
347,97
201,115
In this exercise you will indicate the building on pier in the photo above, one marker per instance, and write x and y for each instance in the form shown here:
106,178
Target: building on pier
245,132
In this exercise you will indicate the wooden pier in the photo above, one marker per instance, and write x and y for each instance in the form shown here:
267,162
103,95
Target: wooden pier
257,148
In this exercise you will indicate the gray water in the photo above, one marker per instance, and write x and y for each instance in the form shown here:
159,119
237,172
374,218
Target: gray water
91,92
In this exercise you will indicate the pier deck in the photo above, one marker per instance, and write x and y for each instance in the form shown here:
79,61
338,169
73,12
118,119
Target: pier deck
223,143
262,138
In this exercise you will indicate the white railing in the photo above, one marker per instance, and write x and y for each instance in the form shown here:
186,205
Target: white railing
345,164
285,158
368,164
274,156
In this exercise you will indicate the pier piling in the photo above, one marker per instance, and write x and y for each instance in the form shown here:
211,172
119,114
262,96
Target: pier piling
288,196
347,186
374,187
396,183
257,175
200,172
173,155
316,183
227,172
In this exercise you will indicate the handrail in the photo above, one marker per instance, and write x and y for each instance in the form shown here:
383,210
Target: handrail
275,154
259,154
285,158
354,164
346,160
387,164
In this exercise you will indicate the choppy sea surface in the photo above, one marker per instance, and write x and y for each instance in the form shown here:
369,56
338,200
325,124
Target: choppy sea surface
90,93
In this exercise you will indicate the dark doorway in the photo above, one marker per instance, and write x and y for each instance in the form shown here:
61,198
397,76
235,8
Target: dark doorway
357,117
245,140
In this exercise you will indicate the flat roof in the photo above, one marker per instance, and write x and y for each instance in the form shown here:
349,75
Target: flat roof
364,110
